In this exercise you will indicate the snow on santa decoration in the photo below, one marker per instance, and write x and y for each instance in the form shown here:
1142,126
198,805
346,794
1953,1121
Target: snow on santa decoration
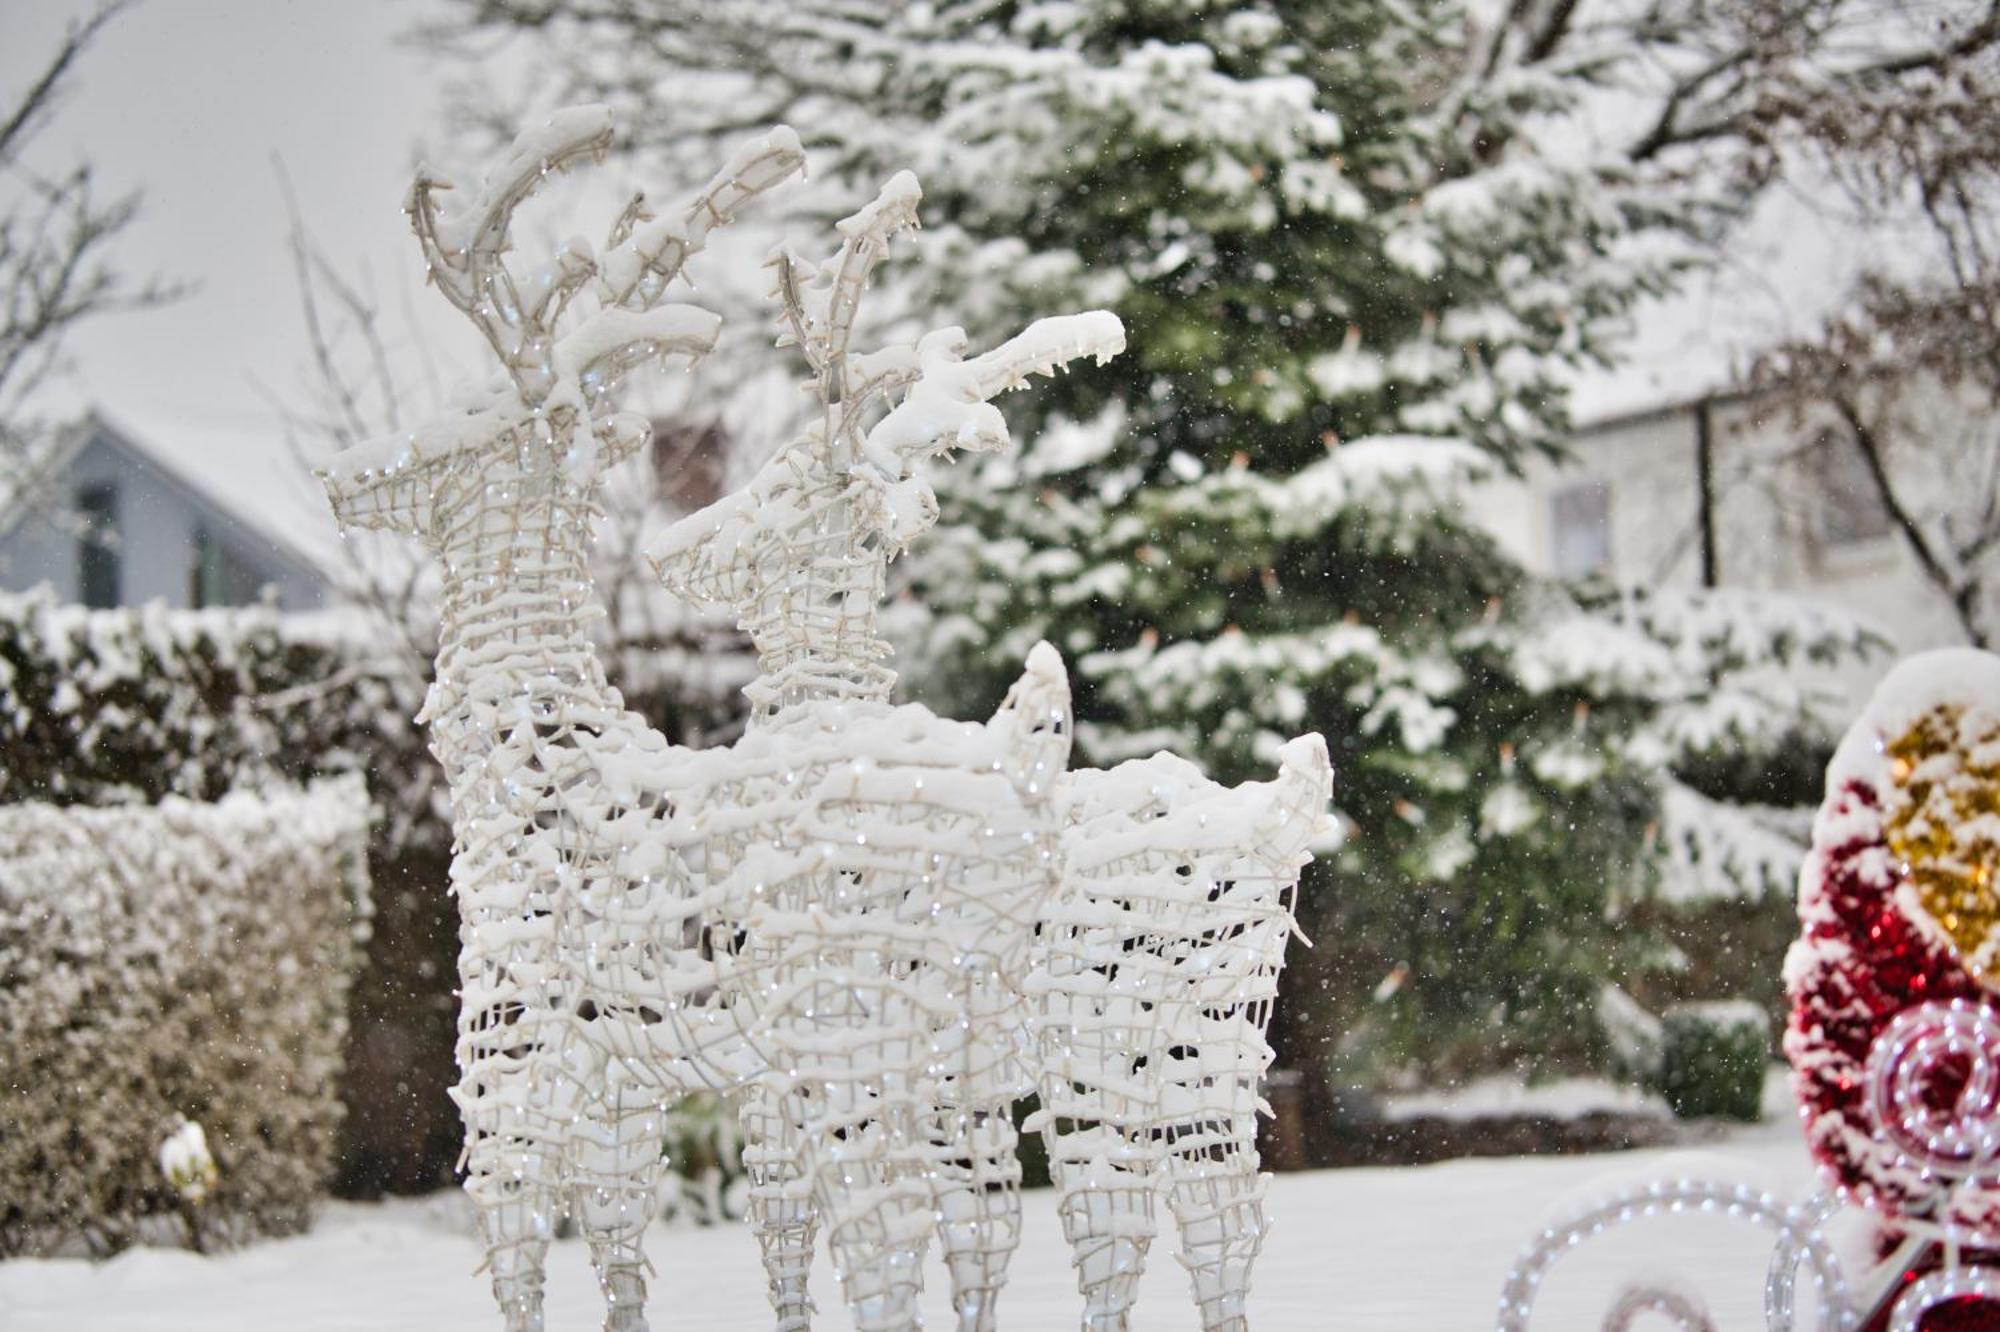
1894,1037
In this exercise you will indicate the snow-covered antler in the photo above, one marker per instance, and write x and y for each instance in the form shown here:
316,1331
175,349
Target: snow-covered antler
819,316
464,252
644,255
641,260
801,552
554,383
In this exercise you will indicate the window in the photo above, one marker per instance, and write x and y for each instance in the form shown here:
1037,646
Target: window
689,462
1847,506
1580,530
97,563
221,575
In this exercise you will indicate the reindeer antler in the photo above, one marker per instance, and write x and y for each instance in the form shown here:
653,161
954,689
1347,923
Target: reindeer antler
464,253
644,256
557,382
822,322
641,260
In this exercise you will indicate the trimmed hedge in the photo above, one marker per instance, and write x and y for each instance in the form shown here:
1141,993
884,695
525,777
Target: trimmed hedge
108,707
123,706
181,960
103,707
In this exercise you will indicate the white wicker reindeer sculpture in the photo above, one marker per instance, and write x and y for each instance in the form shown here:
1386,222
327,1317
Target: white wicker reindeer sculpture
895,862
1154,978
586,1003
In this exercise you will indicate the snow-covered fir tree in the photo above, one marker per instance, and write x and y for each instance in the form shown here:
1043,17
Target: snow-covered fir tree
1359,249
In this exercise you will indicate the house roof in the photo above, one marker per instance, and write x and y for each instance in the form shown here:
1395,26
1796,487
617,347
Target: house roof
249,471
1787,267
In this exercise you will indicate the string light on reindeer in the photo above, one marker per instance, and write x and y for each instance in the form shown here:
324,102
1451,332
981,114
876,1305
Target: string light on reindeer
897,863
840,917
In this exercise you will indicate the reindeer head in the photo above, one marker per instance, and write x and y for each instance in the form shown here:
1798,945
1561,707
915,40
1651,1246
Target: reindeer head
542,419
813,532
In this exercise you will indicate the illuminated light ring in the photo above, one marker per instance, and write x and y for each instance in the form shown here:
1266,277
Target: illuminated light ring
1781,1283
1928,1292
1964,1142
1634,1304
1798,1231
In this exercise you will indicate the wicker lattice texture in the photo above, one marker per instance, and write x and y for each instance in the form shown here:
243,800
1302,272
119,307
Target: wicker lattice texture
587,1001
1155,978
180,959
889,865
838,915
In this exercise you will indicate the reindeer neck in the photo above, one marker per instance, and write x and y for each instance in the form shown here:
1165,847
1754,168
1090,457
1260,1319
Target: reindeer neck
518,601
815,628
817,638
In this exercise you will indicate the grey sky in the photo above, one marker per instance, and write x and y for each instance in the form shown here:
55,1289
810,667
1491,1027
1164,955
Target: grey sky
190,100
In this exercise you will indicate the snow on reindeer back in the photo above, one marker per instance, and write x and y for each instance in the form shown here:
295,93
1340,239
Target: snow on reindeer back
1895,1030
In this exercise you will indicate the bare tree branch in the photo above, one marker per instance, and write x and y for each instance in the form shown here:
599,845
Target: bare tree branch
54,267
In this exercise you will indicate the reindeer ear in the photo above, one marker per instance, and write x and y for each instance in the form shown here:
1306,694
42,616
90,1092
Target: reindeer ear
1035,725
1297,813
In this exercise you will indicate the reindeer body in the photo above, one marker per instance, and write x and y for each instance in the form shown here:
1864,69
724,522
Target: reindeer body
891,884
894,876
587,1001
556,856
838,914
1153,982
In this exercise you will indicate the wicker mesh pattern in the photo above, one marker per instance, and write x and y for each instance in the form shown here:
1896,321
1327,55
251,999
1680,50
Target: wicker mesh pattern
837,915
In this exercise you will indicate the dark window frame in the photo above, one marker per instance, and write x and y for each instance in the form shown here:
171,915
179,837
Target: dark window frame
100,571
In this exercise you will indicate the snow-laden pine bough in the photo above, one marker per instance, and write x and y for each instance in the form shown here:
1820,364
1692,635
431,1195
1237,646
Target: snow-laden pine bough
1894,1037
833,916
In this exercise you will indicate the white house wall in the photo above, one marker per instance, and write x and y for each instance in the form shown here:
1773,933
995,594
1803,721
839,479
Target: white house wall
1765,531
158,516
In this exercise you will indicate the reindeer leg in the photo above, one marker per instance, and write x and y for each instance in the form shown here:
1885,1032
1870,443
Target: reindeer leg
617,1162
875,1233
978,1182
781,1211
1219,1204
1105,1184
868,1182
516,1131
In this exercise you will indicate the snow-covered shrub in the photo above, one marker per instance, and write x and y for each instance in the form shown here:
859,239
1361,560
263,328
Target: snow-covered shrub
102,707
106,707
1713,1058
162,964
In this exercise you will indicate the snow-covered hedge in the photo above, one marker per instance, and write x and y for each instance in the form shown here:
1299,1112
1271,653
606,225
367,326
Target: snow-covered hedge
122,706
108,707
185,960
103,707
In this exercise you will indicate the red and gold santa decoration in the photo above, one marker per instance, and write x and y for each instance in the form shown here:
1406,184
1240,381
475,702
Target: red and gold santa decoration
1894,1037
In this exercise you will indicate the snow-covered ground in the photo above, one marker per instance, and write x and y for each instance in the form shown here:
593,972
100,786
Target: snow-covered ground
1421,1248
